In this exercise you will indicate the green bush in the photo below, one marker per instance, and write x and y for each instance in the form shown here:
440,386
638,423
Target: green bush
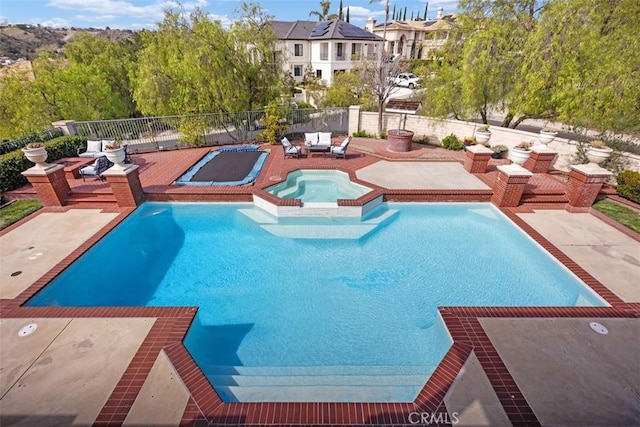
629,185
13,163
361,134
452,142
303,105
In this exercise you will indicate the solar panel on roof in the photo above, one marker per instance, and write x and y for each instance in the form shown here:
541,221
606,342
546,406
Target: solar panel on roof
349,31
321,29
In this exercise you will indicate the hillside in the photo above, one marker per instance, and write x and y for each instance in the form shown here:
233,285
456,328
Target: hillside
27,41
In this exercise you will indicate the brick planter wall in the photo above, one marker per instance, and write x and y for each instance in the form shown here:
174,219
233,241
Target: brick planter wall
126,186
585,182
510,185
50,184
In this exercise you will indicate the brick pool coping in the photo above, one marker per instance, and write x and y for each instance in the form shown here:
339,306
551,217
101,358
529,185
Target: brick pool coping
204,406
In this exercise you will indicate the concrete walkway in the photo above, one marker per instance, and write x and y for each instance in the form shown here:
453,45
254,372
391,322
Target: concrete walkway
607,254
420,175
570,374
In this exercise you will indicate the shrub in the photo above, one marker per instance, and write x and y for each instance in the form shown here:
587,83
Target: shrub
451,142
361,134
305,105
629,185
13,163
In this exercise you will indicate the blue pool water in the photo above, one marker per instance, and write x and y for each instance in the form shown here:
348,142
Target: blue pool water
348,319
317,186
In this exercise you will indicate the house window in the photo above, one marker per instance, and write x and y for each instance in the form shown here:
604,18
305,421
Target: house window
319,74
340,51
324,51
356,51
297,49
297,70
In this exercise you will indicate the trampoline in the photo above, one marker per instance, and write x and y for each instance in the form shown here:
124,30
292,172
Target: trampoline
226,166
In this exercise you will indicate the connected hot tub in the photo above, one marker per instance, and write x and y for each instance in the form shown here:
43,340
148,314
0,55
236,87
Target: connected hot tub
317,186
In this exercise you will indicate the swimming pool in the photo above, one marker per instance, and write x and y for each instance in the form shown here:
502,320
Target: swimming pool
323,319
317,186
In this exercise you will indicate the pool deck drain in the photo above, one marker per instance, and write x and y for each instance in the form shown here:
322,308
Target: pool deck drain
481,331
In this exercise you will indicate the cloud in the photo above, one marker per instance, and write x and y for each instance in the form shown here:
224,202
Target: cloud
54,22
152,11
95,18
362,13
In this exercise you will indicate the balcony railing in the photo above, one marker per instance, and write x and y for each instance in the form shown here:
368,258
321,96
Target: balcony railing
324,56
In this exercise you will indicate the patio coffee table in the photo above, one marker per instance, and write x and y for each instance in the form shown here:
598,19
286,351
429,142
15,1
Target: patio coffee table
316,148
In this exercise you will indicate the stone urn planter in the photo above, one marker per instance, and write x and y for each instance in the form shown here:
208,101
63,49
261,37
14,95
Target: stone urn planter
520,154
399,140
483,136
116,156
598,154
547,136
36,153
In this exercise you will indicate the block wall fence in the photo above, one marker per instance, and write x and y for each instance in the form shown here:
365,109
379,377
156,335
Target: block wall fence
435,129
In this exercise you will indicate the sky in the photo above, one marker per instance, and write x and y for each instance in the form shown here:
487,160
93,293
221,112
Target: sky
144,14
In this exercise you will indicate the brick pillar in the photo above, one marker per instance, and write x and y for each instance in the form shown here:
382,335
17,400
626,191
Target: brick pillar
540,159
510,185
125,184
585,182
477,159
50,184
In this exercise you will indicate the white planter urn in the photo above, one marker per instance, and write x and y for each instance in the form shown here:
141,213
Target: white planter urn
519,155
116,156
598,155
37,155
547,136
482,136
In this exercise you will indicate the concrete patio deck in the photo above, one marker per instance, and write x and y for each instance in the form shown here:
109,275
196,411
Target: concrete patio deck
507,366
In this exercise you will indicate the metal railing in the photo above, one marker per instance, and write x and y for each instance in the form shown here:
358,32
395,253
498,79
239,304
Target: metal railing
21,142
170,132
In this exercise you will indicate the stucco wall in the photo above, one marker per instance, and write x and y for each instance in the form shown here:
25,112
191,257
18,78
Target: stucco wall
436,129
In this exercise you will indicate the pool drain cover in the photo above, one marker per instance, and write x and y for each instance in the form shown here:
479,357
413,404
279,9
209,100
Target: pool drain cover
601,329
28,330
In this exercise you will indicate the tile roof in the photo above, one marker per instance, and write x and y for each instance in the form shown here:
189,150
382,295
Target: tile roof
324,30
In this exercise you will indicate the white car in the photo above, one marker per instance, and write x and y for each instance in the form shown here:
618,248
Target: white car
409,80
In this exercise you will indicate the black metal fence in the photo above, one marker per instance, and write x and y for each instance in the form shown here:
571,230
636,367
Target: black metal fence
21,142
168,132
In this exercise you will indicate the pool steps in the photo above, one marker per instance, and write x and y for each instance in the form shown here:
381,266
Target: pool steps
323,228
318,383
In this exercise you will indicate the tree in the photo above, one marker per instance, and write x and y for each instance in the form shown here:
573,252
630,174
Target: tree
346,90
426,8
90,83
323,14
482,57
340,16
347,14
192,65
22,109
581,66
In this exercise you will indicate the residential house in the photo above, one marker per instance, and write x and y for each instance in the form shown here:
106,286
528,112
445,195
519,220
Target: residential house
327,47
415,39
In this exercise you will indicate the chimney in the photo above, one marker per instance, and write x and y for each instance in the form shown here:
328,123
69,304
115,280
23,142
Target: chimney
439,13
371,23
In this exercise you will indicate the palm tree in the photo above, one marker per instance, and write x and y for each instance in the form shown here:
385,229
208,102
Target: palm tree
324,15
